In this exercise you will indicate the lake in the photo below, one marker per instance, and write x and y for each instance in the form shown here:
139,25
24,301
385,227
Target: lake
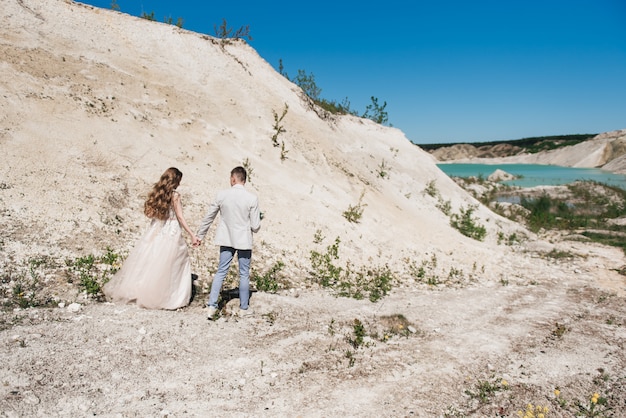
536,174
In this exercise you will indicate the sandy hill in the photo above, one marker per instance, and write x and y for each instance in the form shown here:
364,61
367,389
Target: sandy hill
96,104
606,151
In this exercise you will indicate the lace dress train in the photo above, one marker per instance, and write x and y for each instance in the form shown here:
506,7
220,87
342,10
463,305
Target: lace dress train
157,273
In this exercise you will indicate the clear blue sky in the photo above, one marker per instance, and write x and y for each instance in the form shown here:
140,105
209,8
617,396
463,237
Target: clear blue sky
450,71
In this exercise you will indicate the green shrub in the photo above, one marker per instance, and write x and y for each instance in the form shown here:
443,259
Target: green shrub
324,271
376,112
359,334
467,225
278,127
383,170
372,283
93,272
431,189
354,213
269,281
24,287
225,32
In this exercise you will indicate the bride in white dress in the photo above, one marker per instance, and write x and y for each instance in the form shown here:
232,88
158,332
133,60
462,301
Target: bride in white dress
157,273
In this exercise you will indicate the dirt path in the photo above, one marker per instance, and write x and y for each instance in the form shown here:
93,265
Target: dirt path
299,355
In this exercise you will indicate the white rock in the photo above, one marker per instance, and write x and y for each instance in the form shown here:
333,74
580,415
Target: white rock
74,307
500,175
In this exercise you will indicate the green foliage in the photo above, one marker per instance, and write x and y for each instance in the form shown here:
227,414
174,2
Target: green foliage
24,286
310,88
614,239
248,166
355,212
597,406
336,108
383,170
530,145
268,282
372,283
590,206
147,16
431,189
376,112
443,205
559,330
324,270
467,225
425,272
283,151
170,21
541,212
510,240
278,127
358,340
93,272
318,237
225,32
485,389
307,83
281,69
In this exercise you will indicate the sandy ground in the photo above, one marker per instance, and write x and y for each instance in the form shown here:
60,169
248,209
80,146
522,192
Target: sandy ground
295,357
96,104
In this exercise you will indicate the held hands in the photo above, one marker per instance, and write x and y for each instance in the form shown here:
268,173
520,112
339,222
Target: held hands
195,241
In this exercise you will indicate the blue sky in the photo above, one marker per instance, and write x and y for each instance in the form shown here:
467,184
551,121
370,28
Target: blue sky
450,71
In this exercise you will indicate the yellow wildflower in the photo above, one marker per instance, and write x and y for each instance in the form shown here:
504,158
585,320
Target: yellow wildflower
595,397
557,392
504,383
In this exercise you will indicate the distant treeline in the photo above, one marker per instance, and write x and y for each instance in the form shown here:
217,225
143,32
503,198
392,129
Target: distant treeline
531,145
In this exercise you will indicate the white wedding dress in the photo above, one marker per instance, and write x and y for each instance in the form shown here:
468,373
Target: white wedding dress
157,273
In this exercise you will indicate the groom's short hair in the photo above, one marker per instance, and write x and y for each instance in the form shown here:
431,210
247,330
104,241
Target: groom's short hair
239,173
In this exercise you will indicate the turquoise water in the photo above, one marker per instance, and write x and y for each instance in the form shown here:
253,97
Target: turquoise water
535,174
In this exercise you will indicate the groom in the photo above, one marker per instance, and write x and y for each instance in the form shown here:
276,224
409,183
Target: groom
240,217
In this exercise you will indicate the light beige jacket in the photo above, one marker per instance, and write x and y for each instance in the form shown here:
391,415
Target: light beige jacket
240,217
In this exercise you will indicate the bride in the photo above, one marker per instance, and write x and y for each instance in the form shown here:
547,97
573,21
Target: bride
157,273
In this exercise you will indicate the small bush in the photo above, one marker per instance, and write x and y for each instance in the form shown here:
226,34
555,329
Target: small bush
383,170
269,281
354,213
431,189
93,272
278,127
225,32
376,112
467,225
323,269
485,389
359,334
25,286
371,283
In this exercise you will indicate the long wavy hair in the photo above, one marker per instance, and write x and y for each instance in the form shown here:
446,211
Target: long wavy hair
158,203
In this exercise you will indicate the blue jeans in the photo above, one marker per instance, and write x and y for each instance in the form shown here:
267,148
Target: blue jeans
226,256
